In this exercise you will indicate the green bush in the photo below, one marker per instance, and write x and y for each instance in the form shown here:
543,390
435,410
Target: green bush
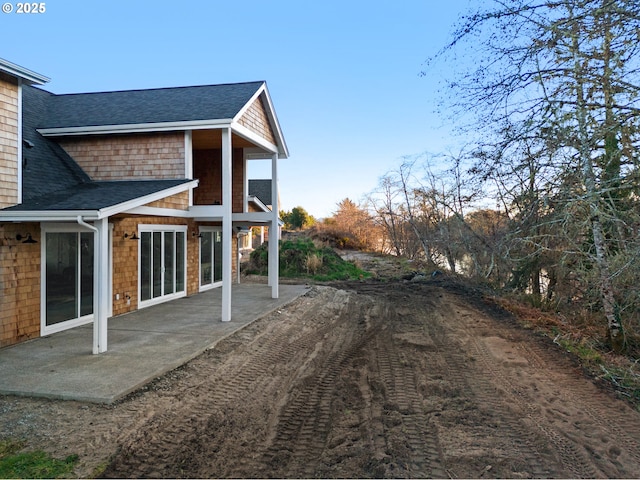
303,258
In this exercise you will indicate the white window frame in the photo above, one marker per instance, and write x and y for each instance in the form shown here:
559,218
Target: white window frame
64,228
172,296
208,286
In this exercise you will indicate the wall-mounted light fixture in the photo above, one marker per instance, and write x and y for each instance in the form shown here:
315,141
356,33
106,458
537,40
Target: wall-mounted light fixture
25,238
196,234
131,236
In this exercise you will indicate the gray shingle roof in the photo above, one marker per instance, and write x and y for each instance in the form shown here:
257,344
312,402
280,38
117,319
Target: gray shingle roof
207,102
261,189
95,195
53,181
46,166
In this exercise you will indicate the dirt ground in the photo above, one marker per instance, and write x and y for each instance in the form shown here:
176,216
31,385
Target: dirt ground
370,379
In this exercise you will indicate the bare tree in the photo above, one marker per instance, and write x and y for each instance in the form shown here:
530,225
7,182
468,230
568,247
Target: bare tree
561,76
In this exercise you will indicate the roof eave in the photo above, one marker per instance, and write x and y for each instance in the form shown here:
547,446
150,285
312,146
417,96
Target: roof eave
152,197
258,202
134,128
284,150
25,216
72,215
25,74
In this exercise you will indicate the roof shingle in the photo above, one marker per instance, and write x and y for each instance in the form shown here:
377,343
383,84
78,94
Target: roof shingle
131,107
95,195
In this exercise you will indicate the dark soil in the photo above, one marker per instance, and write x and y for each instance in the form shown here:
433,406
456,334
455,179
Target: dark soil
369,379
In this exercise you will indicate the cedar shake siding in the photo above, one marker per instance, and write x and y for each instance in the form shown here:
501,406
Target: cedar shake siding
207,168
8,141
19,284
179,201
125,252
126,264
256,120
155,156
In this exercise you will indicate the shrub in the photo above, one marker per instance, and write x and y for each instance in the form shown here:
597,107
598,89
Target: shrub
303,258
314,262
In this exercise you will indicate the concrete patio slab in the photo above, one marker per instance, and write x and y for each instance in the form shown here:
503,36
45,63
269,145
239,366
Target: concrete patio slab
142,345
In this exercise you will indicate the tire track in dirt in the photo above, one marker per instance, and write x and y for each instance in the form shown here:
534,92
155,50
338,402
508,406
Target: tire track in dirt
154,452
624,441
575,462
373,379
385,380
304,423
474,390
402,396
424,367
578,418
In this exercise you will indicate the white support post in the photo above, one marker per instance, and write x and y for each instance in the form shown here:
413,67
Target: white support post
19,160
100,286
273,230
245,182
188,160
227,230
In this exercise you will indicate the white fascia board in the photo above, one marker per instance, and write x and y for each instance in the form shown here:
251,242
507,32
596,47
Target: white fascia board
256,200
271,113
135,128
247,105
284,151
206,212
72,215
159,212
152,197
48,216
254,138
252,217
21,72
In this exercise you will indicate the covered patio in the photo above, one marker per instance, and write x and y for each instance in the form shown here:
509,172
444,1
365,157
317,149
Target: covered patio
143,345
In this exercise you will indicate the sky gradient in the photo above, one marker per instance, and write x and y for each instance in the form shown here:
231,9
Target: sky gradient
344,76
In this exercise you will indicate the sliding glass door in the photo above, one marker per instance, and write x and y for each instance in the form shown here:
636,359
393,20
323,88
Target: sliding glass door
162,263
68,276
210,257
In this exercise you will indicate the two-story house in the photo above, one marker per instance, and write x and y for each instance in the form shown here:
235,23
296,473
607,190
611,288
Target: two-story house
115,201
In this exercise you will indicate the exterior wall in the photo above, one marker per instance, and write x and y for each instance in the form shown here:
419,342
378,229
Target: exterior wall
207,167
254,208
125,252
8,141
19,284
129,157
125,259
179,201
256,120
237,181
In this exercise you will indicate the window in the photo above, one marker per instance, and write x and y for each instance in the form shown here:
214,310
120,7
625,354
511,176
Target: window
210,257
68,276
162,263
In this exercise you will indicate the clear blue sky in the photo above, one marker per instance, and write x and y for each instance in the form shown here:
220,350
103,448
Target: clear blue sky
343,75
